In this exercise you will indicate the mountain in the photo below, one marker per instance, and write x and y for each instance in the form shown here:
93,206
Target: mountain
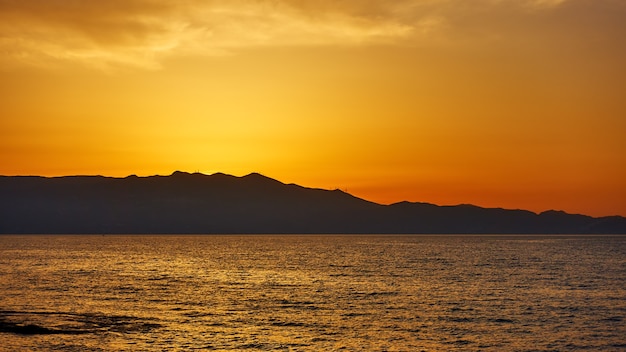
220,203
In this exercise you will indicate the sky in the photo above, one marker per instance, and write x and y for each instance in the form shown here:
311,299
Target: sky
518,104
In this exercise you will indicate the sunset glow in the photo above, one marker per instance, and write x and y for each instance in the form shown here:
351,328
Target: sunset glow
514,104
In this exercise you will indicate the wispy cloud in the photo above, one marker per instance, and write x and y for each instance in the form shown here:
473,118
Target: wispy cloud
545,3
139,33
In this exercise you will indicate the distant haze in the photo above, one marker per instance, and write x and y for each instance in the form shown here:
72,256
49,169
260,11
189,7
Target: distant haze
514,104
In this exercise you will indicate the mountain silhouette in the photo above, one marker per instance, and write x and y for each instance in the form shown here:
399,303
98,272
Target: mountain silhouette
223,204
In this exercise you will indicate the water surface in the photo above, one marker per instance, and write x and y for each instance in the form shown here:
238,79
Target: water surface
313,293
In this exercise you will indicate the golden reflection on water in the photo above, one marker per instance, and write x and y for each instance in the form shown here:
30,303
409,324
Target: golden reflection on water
312,293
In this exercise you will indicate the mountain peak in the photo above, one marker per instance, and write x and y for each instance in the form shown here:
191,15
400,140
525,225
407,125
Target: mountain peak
179,173
255,175
258,178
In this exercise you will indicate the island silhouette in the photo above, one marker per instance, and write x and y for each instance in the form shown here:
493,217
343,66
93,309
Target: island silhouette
195,203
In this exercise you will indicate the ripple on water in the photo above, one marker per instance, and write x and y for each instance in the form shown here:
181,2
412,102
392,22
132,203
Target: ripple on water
312,293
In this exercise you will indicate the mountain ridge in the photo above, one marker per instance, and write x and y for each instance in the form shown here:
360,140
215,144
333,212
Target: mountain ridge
185,202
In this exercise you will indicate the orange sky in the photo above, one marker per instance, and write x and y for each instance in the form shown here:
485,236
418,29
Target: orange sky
515,104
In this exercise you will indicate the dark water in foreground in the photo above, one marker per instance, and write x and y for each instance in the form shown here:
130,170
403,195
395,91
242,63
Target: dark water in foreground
313,293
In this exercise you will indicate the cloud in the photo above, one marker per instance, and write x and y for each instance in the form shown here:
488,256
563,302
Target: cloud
545,3
140,33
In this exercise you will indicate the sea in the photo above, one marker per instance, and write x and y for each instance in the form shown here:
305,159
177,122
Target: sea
312,293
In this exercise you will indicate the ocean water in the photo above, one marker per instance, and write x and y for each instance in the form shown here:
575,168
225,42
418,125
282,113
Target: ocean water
313,293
